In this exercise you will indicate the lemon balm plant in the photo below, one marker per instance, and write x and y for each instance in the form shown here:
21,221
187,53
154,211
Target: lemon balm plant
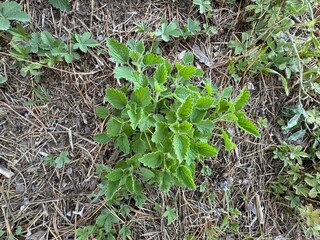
162,123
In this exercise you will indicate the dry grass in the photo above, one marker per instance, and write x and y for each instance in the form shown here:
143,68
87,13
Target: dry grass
51,203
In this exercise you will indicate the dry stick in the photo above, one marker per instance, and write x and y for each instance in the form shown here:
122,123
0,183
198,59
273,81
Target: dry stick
6,221
163,229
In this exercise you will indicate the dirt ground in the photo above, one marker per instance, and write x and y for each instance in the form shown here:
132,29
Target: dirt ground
50,203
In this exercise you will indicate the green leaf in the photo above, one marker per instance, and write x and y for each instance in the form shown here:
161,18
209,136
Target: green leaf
161,132
123,72
151,59
170,214
118,51
197,115
152,160
115,175
123,143
106,219
186,107
139,79
193,26
248,126
181,145
47,40
139,146
146,122
11,11
160,75
4,23
62,159
192,153
242,99
102,112
205,5
135,115
168,30
146,173
114,127
207,150
116,98
188,58
142,97
3,79
101,138
63,5
205,103
84,42
125,232
186,72
185,177
228,144
205,126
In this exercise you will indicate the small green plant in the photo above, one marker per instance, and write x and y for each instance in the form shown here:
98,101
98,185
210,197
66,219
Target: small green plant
170,214
301,184
269,47
59,161
162,124
204,5
171,30
11,11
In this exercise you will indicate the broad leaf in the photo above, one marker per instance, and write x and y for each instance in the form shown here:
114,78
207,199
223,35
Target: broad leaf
248,126
207,150
186,107
142,97
123,72
135,115
152,160
160,75
185,177
146,173
181,145
168,30
114,127
101,138
102,112
11,11
151,59
123,143
118,51
84,42
116,98
139,146
160,133
186,72
115,175
204,103
228,144
242,99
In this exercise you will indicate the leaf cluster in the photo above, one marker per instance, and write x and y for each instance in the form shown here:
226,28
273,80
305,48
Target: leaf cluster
59,161
171,30
268,47
11,11
48,49
162,123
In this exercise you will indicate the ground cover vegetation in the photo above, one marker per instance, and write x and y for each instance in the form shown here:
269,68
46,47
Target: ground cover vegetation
181,142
